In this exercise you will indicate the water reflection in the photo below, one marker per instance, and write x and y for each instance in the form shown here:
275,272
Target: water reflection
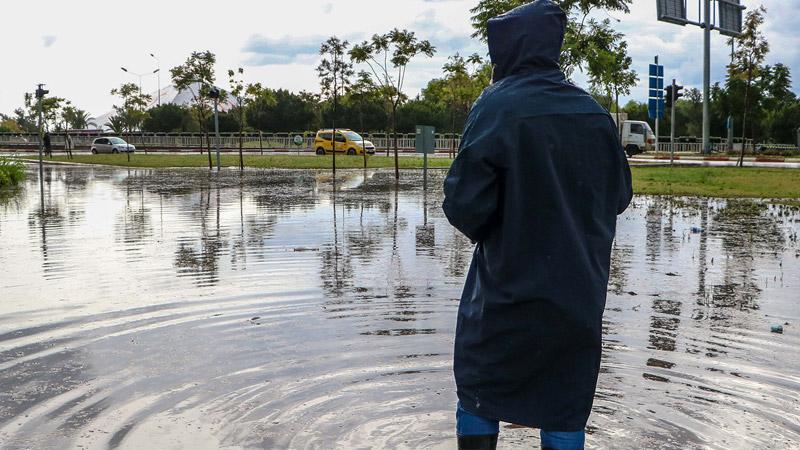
143,308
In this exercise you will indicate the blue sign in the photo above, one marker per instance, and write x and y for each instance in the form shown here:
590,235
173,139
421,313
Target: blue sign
655,106
657,83
656,71
655,102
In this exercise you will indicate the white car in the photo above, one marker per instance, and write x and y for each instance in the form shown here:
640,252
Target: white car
111,145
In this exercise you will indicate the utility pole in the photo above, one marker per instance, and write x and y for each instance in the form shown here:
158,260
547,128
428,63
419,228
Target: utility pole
728,22
707,77
40,93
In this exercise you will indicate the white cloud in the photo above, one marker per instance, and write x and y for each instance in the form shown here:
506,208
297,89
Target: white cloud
277,42
48,40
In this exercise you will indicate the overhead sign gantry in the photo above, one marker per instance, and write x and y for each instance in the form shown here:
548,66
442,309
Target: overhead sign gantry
722,15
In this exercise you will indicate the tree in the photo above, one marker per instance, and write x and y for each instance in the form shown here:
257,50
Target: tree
579,33
388,56
360,96
51,112
241,94
27,115
117,124
165,118
608,64
281,110
334,76
197,76
75,118
782,124
461,85
8,125
747,59
132,111
262,100
776,87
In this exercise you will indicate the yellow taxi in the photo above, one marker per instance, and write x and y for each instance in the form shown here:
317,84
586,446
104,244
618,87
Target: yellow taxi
347,141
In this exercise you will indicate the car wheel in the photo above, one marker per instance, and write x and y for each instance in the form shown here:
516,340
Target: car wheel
351,151
94,151
631,150
320,151
114,151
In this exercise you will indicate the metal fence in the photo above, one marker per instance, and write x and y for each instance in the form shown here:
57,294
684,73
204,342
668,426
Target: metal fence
252,142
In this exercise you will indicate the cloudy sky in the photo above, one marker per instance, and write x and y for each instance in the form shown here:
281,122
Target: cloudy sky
77,48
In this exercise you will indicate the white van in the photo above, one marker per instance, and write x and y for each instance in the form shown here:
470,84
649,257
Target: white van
637,137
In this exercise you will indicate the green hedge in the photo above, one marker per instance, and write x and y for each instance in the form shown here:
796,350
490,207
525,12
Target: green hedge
12,172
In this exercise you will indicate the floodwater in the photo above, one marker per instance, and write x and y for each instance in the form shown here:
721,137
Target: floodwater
181,309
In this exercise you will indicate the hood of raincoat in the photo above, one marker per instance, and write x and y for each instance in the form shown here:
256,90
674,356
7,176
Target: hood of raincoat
526,38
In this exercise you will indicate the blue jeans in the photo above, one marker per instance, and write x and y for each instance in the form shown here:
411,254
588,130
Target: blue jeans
468,424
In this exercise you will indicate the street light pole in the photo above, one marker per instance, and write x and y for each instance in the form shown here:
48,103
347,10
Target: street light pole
707,77
40,92
158,71
136,75
142,75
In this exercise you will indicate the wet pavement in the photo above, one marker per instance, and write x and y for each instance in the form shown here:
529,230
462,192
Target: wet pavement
182,309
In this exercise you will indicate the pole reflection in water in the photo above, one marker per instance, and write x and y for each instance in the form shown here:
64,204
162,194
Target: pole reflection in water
261,314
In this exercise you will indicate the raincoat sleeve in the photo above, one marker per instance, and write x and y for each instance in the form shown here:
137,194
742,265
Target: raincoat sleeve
626,191
472,188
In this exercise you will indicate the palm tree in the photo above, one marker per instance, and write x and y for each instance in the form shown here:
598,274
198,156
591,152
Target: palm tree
117,124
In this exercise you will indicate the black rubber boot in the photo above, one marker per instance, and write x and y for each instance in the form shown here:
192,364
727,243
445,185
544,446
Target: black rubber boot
482,442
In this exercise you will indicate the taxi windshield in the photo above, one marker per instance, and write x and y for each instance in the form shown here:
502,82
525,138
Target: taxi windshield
353,136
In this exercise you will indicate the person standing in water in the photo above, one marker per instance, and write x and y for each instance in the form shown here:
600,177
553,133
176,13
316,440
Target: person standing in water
48,145
538,183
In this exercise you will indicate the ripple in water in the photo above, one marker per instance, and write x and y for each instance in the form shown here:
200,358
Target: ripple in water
182,309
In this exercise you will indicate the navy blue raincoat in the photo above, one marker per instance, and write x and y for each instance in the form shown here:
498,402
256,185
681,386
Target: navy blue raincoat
538,184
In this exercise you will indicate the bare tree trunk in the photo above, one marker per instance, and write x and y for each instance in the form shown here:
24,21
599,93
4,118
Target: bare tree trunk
744,125
363,135
453,133
333,140
396,150
208,143
388,137
241,155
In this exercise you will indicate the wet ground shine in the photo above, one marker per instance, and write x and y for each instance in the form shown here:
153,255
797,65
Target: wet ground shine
182,309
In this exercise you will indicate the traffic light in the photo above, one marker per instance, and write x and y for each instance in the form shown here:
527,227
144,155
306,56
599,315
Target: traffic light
668,96
41,92
678,93
671,96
